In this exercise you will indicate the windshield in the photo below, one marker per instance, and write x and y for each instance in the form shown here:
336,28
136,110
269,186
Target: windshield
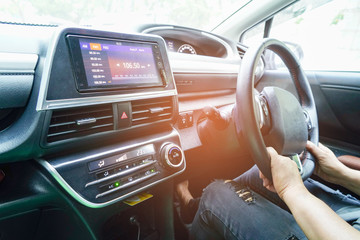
202,14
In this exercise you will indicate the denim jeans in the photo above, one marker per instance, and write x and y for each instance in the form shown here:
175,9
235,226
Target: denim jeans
244,209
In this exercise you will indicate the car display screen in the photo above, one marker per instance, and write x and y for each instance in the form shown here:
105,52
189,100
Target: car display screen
104,64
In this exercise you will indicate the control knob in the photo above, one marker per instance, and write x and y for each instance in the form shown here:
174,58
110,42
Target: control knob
172,156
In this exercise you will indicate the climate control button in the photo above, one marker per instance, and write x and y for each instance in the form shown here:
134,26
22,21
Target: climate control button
172,156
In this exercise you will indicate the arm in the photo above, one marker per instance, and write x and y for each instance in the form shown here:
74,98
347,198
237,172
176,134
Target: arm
314,217
351,181
332,170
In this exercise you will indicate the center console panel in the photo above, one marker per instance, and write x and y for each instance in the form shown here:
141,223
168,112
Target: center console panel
115,93
103,176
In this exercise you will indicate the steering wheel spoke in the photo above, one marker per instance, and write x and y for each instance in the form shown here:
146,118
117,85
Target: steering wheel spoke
262,113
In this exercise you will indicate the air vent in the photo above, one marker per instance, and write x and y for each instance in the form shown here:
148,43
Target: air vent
241,50
79,122
152,110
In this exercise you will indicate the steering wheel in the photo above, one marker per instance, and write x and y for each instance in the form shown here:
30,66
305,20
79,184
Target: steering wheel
275,117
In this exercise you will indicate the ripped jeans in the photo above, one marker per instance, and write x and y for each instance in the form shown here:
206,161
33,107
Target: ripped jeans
241,209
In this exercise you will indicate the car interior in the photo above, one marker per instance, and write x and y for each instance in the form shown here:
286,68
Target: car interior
99,125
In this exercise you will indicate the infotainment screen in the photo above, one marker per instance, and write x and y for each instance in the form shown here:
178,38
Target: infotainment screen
113,64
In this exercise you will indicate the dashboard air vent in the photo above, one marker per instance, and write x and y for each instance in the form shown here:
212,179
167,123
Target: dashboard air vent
241,51
78,122
151,110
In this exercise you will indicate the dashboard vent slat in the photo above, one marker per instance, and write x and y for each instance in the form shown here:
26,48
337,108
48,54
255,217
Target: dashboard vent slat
64,123
152,110
241,51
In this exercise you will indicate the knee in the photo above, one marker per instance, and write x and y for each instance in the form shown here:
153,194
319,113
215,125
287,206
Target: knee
220,192
214,188
217,193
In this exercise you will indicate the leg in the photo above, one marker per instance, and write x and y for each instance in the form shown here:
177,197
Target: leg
252,180
228,213
188,204
346,206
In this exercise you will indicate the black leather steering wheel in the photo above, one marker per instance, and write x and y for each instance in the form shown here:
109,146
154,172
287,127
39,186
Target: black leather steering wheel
275,117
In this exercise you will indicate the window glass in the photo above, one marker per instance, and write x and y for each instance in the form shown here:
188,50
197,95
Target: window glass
107,14
328,32
253,34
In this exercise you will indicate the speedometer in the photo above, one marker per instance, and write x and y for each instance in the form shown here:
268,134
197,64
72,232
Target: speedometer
187,48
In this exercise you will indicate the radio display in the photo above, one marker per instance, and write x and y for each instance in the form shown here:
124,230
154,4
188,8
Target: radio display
104,63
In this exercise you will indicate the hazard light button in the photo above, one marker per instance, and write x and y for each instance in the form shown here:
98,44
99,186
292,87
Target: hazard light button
124,115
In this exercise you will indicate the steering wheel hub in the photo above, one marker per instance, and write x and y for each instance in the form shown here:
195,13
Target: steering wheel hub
288,131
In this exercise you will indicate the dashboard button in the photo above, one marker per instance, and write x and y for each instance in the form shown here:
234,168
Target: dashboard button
172,156
175,155
104,174
124,115
186,120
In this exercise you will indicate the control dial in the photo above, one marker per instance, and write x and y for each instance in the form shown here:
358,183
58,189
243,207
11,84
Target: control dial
172,156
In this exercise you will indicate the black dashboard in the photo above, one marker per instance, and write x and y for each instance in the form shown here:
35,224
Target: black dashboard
103,83
106,117
189,41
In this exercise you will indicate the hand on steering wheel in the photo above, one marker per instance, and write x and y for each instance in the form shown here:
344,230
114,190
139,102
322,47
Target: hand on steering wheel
284,173
289,122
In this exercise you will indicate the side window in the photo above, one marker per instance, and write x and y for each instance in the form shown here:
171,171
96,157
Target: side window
325,33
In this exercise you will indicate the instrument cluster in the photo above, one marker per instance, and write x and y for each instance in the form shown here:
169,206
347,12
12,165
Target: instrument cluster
182,47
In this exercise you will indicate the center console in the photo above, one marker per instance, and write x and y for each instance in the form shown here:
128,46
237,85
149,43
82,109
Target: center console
100,177
110,102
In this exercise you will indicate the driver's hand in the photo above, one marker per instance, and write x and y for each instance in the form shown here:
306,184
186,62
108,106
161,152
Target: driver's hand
285,175
329,167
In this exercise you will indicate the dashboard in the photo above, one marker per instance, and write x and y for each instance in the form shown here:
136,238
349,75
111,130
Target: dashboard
105,117
133,72
98,126
189,41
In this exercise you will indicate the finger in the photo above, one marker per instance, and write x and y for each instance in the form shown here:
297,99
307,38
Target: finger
272,152
314,149
324,148
261,175
317,169
310,146
266,182
271,188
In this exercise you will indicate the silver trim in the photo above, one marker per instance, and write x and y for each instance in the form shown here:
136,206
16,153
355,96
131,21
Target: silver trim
149,30
166,153
260,115
41,105
68,103
129,184
110,152
87,203
121,174
85,121
308,120
18,62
